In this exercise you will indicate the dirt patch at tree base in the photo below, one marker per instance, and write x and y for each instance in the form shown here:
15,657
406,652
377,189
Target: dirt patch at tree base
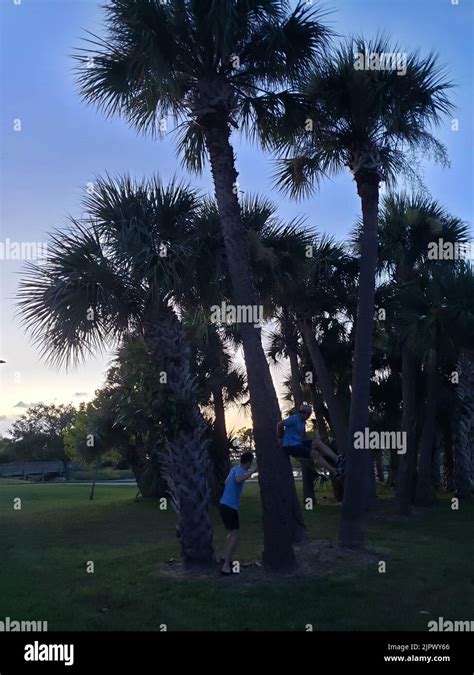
320,557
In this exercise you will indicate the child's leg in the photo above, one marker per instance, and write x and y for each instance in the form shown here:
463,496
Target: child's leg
229,549
226,546
318,445
320,461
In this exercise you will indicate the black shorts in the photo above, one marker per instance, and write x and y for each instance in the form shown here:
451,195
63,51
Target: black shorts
303,451
230,517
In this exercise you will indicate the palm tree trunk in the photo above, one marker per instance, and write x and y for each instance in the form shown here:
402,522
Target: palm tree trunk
186,459
96,468
435,466
296,389
393,468
308,473
372,485
448,463
424,491
281,513
338,424
359,467
319,411
465,417
220,458
404,489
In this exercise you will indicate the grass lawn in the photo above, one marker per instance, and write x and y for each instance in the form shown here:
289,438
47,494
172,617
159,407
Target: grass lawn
46,545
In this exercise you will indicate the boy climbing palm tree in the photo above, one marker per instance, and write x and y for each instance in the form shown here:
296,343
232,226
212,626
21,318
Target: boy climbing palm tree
291,434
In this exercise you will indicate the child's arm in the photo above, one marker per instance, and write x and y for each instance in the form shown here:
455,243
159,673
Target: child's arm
245,476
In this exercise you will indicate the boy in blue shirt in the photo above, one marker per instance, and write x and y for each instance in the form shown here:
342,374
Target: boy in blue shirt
291,434
229,506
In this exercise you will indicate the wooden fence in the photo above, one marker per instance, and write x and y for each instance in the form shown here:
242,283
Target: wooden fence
26,469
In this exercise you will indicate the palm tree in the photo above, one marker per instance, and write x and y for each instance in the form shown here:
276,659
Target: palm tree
372,122
119,274
436,318
463,467
320,298
461,297
274,248
219,382
407,226
214,66
300,290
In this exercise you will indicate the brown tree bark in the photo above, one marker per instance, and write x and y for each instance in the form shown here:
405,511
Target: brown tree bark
405,485
338,424
448,442
185,458
281,513
220,456
424,490
359,466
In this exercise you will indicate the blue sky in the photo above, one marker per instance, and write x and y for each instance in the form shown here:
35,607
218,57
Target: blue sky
63,144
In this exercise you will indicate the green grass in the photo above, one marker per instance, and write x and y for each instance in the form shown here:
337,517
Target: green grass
47,544
102,474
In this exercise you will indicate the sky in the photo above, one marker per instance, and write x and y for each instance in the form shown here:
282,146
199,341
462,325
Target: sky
53,145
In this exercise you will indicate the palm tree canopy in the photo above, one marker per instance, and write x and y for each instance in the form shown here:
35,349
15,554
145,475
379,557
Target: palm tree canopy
408,224
195,58
132,251
213,359
366,119
436,315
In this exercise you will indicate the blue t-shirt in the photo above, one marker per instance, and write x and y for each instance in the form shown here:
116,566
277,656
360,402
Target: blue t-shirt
294,430
233,490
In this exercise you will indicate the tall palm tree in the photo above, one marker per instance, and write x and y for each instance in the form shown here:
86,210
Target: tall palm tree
436,318
121,273
407,226
463,467
371,122
274,249
214,66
